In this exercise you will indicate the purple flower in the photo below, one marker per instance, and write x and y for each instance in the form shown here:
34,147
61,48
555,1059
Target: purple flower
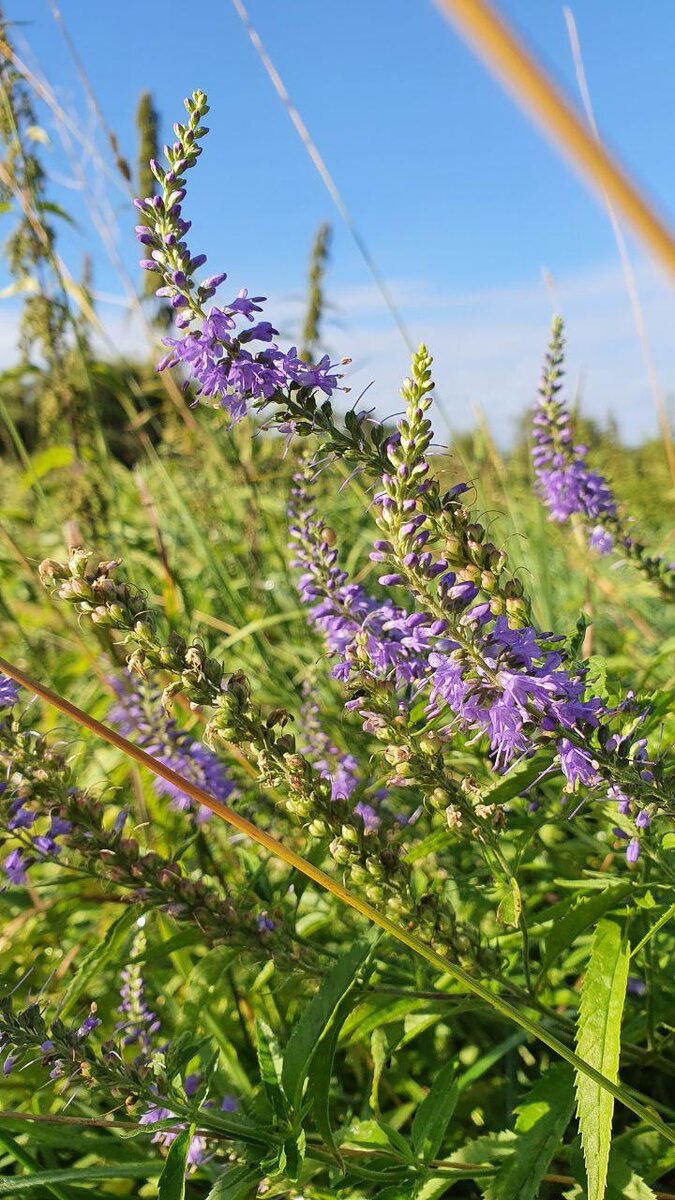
9,692
331,763
90,1023
15,866
633,851
361,632
578,764
367,813
138,1022
164,1137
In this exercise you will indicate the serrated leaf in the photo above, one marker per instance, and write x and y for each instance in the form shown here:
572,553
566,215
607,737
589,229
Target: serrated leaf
306,1034
436,1186
599,1044
171,1184
239,1183
542,1120
435,1113
647,1152
584,913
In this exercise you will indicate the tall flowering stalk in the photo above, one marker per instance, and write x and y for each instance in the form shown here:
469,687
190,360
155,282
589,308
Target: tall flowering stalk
154,1079
140,1027
570,489
484,663
233,365
469,638
45,819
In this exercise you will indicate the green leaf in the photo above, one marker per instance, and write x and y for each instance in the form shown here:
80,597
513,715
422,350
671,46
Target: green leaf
79,1175
623,1183
599,1045
434,1113
576,641
239,1183
378,1053
511,905
320,1075
649,1154
44,461
307,1033
21,1155
542,1120
584,913
271,1065
171,1184
105,949
517,780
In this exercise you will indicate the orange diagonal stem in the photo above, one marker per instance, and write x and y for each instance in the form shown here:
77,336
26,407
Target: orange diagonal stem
481,25
404,936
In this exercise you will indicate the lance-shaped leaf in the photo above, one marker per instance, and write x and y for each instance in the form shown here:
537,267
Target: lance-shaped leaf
317,1017
172,1180
599,1044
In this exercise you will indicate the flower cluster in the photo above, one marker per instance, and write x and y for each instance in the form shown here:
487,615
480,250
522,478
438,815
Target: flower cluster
137,1022
138,714
235,366
359,630
569,488
140,1026
46,818
342,770
564,480
151,1077
9,693
371,858
475,648
61,1049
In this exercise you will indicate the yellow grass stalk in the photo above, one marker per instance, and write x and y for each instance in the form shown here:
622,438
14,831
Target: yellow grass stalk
481,25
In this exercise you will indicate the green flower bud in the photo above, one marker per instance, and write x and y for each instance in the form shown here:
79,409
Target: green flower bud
431,743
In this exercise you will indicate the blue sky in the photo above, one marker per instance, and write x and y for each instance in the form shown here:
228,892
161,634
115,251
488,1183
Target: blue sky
458,196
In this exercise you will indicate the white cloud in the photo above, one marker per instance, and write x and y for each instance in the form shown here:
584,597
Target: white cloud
488,345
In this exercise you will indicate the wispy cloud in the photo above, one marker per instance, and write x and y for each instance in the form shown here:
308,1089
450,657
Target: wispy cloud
488,345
